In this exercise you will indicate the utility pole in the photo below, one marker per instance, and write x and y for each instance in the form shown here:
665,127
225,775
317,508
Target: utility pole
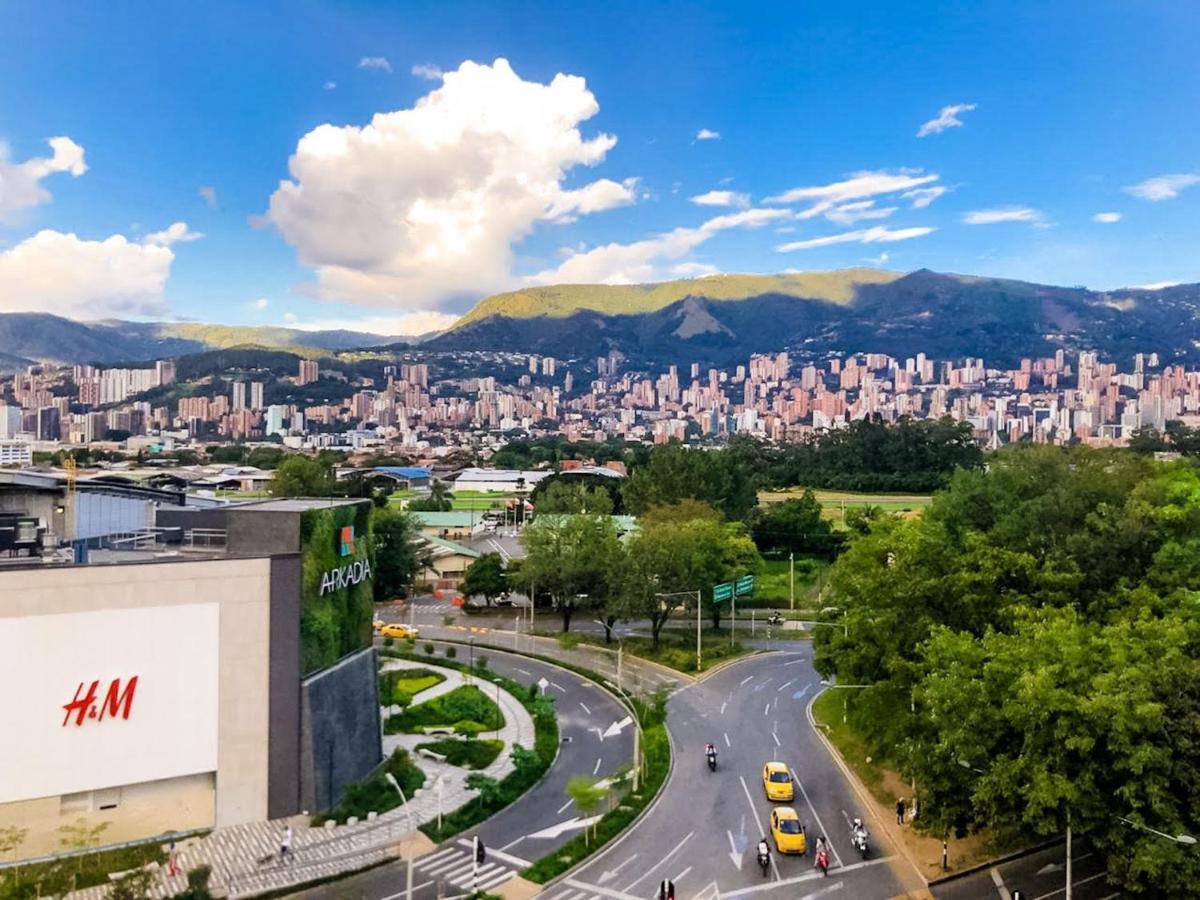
1068,896
699,661
792,580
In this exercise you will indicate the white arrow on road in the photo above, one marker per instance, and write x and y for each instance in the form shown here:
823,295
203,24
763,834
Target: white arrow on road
800,693
563,827
734,856
610,874
1050,868
615,728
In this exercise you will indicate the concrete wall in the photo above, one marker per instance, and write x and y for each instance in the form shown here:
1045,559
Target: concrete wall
284,754
340,729
262,533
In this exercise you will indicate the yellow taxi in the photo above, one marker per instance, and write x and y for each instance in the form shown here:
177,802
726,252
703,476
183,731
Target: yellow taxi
397,630
777,782
787,831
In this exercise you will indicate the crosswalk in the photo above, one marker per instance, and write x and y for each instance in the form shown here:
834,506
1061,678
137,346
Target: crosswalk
455,865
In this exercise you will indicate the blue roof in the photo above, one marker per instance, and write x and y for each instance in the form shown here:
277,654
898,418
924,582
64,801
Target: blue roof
404,471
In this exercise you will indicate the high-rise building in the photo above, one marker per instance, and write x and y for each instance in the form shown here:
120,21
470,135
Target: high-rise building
239,395
164,371
256,395
49,424
309,371
10,421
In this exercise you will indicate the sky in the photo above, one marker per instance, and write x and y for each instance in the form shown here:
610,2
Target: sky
382,166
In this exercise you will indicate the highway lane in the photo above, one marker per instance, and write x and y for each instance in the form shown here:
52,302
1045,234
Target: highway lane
703,830
541,820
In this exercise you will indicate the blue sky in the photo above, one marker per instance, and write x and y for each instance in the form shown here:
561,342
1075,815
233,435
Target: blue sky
332,198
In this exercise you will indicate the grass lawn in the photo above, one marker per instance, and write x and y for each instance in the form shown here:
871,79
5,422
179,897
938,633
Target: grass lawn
676,648
828,711
467,710
469,753
771,584
835,503
417,680
59,877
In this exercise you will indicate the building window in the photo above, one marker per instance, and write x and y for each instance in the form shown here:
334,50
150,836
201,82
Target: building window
74,804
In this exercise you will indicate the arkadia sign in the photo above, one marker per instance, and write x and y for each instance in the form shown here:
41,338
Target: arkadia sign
344,577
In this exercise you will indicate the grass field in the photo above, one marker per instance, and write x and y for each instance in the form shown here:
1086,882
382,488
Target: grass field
771,587
836,503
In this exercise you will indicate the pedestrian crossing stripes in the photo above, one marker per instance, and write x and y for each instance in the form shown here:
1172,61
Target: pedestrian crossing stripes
456,866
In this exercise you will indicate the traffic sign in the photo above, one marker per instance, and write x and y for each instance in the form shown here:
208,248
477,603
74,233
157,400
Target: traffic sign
722,592
745,585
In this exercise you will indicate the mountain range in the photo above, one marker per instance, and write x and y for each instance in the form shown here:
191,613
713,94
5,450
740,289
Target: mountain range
720,320
715,320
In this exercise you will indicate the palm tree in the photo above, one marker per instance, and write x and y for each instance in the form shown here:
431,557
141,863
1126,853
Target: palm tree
440,497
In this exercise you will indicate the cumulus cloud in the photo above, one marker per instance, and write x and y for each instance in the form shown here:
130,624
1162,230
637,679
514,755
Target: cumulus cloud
68,276
722,198
1155,286
1107,218
20,183
922,197
651,259
858,186
330,85
422,206
948,117
262,303
418,322
428,72
1003,214
175,233
379,63
208,194
707,134
1163,187
878,234
849,213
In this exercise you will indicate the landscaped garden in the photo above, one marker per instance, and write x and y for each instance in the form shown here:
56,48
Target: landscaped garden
467,753
376,794
466,710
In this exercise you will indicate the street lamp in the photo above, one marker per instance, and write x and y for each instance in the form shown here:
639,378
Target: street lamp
620,648
408,815
1185,839
844,687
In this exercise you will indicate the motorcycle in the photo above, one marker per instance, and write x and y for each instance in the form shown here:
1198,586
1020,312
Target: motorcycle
775,620
712,761
858,838
823,862
764,860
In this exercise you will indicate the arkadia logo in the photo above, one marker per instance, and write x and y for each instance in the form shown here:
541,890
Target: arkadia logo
346,541
116,702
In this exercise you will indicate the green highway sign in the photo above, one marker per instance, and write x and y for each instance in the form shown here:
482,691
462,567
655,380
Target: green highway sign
722,592
745,585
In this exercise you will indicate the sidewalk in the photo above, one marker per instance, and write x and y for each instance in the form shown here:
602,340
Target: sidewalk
245,858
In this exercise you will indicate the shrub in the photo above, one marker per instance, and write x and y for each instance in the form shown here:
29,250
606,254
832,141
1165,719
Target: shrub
376,794
470,753
389,642
467,709
451,652
481,662
429,649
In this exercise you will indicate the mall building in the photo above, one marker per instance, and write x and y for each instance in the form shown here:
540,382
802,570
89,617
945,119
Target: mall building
173,684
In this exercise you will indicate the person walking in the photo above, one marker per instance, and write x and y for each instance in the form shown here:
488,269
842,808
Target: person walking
285,845
900,811
172,860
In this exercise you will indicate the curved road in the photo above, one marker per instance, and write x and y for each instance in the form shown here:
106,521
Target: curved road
703,830
540,821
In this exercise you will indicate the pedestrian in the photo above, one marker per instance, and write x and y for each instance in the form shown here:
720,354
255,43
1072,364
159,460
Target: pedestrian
172,860
285,845
900,811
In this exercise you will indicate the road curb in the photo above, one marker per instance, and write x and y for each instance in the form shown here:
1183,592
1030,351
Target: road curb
998,861
863,794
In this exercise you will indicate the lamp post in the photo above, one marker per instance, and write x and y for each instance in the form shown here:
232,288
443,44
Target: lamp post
1185,839
620,648
844,687
408,890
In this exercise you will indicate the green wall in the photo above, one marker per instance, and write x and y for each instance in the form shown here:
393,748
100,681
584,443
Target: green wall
339,622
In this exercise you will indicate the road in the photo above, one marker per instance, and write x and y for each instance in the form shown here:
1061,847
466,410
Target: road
1038,876
703,829
542,820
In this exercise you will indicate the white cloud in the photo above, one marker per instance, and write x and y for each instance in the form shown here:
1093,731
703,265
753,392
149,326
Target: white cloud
379,63
694,270
1155,286
290,318
429,73
706,134
330,85
722,198
65,275
948,117
876,235
175,233
1003,214
419,322
262,303
922,197
858,186
650,259
1163,187
423,205
20,183
208,194
849,213
1107,218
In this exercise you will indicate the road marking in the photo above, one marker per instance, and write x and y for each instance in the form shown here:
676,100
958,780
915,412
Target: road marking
499,854
800,879
999,883
1074,884
517,841
774,735
758,822
610,874
726,736
602,891
794,662
558,687
799,695
828,834
525,672
598,731
678,847
596,768
562,827
766,709
562,809
735,856
722,708
785,686
585,708
681,875
747,678
416,887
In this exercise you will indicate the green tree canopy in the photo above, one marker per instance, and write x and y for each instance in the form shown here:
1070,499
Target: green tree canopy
565,496
793,525
577,560
485,577
302,476
674,472
396,561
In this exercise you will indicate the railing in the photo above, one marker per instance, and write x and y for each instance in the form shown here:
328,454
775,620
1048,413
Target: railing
204,538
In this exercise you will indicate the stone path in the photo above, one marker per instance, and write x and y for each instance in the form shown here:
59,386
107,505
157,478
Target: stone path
245,858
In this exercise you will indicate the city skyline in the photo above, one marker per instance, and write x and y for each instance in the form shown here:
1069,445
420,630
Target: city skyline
1019,143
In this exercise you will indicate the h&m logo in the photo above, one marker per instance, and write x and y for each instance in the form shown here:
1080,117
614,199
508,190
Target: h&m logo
346,541
117,702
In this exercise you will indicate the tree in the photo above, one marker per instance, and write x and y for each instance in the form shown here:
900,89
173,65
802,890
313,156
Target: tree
674,472
485,577
793,525
571,497
488,788
396,558
575,559
302,476
587,794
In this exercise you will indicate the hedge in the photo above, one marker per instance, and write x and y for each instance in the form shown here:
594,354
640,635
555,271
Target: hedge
466,708
470,753
376,794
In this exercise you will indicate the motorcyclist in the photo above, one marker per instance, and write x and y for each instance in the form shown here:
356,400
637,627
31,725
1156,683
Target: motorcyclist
858,829
764,852
666,890
710,752
822,862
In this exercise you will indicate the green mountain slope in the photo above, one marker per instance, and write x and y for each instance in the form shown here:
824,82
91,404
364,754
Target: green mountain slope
561,300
